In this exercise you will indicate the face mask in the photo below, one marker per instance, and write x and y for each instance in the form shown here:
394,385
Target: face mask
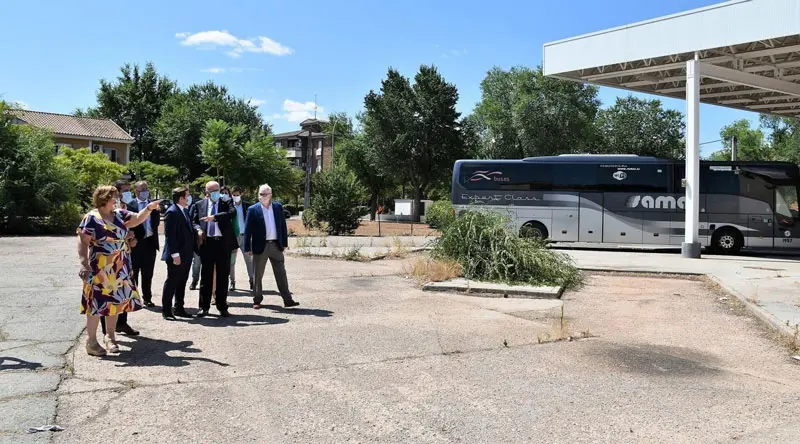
144,195
126,196
189,201
225,197
214,196
237,199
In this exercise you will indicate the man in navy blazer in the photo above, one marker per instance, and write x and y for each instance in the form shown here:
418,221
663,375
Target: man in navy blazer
179,246
265,238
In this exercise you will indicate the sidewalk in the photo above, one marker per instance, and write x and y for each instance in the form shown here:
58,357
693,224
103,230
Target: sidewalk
769,286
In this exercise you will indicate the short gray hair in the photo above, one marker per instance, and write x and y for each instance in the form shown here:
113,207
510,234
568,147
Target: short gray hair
210,183
264,187
140,183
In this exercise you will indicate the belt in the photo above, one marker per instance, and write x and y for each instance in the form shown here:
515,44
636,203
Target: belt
215,238
272,240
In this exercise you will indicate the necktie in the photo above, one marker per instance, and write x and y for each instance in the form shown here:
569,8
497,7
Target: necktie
186,215
212,226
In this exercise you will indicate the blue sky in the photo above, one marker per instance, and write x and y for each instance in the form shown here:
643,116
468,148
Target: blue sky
281,53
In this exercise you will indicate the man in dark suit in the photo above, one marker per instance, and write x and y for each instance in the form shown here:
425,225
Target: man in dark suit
241,211
213,221
179,246
265,238
143,255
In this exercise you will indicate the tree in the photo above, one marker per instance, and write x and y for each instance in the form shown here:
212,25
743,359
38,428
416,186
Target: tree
179,129
641,127
36,193
417,128
340,123
361,157
751,143
160,178
220,145
784,137
523,113
335,201
89,171
134,101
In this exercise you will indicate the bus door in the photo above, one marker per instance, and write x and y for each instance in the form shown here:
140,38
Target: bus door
787,224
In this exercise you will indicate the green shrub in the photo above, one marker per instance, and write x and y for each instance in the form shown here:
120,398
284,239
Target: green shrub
310,220
440,214
336,199
488,250
65,219
294,209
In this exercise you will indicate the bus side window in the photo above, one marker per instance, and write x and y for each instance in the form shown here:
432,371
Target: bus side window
637,178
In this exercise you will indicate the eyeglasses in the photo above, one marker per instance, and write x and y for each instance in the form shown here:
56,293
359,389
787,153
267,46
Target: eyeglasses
265,194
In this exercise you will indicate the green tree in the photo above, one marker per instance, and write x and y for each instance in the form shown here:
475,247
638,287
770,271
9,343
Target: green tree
134,101
179,129
160,178
335,201
752,144
36,193
416,127
341,124
784,137
362,158
220,146
89,170
642,127
523,113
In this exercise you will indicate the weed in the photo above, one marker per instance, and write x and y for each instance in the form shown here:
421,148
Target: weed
353,254
432,270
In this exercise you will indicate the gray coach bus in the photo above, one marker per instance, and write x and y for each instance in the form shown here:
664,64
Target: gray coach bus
626,199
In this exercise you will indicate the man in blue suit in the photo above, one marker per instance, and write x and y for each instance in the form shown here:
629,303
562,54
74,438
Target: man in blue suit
265,238
178,252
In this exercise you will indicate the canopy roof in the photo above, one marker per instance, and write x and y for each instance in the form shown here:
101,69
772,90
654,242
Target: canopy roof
750,50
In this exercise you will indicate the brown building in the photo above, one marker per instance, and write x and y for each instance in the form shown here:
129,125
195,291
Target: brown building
296,144
100,135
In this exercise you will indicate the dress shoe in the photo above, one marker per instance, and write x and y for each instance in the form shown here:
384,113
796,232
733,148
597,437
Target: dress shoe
181,313
202,313
290,303
168,316
149,303
127,329
224,314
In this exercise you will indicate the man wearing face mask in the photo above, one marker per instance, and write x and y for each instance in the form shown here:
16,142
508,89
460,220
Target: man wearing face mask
124,191
213,222
241,211
265,238
143,255
179,246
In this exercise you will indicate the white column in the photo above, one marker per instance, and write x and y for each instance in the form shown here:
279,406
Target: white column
691,245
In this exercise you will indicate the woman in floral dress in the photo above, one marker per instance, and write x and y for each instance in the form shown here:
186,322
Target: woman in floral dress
108,287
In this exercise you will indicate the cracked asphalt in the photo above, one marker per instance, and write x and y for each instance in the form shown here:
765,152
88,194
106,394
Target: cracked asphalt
368,357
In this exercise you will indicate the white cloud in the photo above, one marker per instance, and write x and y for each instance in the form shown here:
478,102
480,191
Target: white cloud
215,39
221,70
256,102
455,53
214,70
20,104
299,111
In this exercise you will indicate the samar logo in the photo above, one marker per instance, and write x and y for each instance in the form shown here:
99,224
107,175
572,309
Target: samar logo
620,175
491,176
660,202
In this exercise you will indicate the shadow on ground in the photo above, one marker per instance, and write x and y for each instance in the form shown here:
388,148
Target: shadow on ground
11,363
150,352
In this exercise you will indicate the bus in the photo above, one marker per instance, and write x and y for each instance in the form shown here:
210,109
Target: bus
633,200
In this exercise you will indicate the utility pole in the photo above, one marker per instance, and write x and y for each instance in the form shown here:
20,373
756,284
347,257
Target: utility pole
734,148
307,198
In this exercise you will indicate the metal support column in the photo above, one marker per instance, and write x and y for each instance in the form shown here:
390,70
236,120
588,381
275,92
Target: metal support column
691,245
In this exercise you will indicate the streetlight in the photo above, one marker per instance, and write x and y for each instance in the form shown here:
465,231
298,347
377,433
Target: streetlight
333,140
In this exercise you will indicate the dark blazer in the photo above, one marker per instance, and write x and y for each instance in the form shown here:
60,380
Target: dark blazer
245,206
224,219
155,220
255,230
179,236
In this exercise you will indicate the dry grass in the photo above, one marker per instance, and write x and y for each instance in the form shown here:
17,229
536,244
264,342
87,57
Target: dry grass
560,331
427,270
370,229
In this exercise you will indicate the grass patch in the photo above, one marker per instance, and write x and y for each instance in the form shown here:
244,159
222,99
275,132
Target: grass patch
486,248
353,254
427,270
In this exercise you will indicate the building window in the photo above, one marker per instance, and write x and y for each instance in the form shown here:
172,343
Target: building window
60,146
111,153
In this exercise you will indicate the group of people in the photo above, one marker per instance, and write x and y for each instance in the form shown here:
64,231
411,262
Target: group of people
118,243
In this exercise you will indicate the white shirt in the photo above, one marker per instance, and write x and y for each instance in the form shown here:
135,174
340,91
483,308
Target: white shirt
240,218
181,209
215,229
269,222
148,229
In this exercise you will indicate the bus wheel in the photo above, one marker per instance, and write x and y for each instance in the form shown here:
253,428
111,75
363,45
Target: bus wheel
727,240
533,229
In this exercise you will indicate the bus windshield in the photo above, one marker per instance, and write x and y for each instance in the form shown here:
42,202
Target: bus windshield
786,201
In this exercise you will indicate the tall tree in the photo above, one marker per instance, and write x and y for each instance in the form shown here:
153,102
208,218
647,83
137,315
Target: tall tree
784,137
160,178
179,129
417,128
751,143
340,123
523,113
642,127
134,101
362,158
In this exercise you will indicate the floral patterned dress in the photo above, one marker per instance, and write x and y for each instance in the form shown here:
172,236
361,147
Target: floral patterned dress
109,289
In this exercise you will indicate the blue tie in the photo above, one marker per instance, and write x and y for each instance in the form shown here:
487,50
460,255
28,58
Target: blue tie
212,226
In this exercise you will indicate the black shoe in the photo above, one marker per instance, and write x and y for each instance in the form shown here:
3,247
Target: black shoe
149,303
224,314
193,286
127,329
202,313
168,316
181,313
290,303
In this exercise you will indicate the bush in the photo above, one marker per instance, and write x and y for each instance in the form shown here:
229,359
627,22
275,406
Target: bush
310,220
335,201
440,214
293,208
488,250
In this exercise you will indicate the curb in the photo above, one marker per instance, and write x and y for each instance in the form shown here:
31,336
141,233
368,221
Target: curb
495,290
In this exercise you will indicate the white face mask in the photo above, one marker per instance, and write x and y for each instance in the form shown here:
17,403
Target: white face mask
126,196
237,199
